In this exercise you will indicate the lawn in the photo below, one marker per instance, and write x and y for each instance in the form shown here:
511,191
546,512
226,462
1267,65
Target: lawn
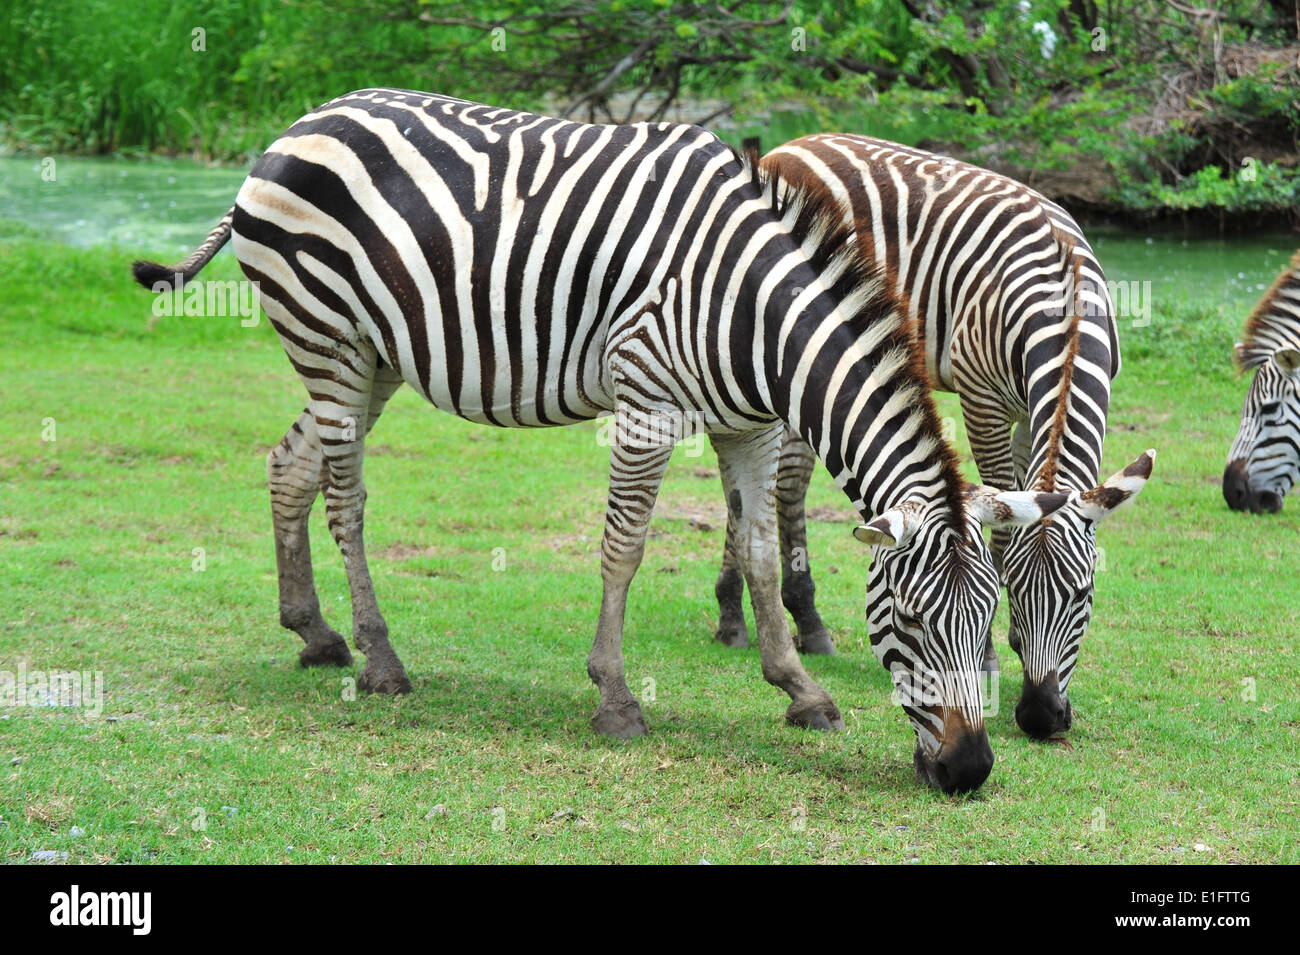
137,544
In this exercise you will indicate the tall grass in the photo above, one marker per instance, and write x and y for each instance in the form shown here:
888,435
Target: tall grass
217,79
134,76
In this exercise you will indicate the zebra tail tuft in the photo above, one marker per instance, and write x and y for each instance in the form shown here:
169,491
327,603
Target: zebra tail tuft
152,275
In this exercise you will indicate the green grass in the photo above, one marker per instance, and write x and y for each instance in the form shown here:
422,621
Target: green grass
214,746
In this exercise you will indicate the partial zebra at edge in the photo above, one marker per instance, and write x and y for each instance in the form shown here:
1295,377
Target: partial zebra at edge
1274,322
1264,458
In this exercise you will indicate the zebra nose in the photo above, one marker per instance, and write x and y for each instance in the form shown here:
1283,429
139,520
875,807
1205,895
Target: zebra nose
1268,503
1043,710
964,763
1236,489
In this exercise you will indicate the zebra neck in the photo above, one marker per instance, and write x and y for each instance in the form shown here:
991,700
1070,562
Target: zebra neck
1067,384
850,380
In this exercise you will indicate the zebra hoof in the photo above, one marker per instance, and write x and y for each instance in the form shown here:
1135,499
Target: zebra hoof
818,643
731,635
325,655
816,715
388,679
620,720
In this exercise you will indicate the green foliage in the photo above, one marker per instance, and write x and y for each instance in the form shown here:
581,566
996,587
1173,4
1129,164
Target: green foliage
103,75
1258,186
1022,83
1269,97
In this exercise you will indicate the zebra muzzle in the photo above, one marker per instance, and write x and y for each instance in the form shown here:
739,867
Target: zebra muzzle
1241,497
963,762
1043,709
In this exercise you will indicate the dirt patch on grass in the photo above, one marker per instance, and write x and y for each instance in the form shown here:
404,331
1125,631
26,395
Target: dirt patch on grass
574,543
50,813
404,551
705,518
831,515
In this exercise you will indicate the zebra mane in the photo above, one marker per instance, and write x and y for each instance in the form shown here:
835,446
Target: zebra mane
1061,416
871,296
1269,327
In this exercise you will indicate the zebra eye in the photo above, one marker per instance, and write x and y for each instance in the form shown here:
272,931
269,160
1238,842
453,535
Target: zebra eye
1269,408
906,620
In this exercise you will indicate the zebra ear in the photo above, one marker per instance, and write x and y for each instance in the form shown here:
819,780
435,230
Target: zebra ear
1248,357
1288,359
994,508
1120,488
894,528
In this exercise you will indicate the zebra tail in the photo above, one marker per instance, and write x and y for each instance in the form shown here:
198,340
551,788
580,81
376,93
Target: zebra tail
151,274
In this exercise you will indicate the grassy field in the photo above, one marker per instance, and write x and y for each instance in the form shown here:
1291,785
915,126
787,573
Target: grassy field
213,745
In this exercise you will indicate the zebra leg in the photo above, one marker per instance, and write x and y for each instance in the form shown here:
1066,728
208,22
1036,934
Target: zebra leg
989,430
730,591
635,474
342,421
1020,453
293,469
748,462
797,588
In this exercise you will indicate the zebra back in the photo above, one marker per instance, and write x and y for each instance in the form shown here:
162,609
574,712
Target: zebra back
1008,296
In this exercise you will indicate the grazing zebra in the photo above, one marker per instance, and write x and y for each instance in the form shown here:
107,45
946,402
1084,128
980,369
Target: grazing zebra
1265,457
1017,320
523,271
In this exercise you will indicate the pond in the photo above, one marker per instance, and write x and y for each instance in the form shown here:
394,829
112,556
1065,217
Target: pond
156,206
146,205
1230,272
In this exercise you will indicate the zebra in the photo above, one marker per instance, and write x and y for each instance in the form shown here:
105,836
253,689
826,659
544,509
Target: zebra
1264,460
522,271
983,263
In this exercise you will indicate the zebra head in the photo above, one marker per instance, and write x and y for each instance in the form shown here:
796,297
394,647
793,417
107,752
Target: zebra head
1265,457
931,593
1049,571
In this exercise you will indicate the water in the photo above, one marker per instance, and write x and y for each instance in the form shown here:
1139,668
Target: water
158,205
1232,273
151,204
